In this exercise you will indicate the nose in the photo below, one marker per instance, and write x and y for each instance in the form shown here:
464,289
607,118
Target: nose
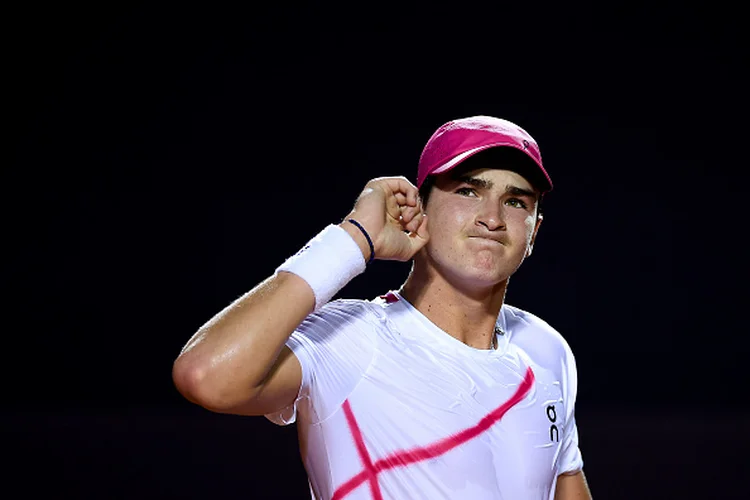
491,215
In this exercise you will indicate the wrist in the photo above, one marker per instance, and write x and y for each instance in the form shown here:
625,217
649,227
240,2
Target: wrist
327,262
361,237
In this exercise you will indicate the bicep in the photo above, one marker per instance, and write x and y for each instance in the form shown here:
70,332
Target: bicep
279,389
572,487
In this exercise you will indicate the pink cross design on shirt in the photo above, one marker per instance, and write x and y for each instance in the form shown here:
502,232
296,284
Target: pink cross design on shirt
406,457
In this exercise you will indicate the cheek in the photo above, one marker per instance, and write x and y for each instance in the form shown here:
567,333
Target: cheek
460,217
446,226
447,220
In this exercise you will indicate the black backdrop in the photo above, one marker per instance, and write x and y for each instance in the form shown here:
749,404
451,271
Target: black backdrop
164,159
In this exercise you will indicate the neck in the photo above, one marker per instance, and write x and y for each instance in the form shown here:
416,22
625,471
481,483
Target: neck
466,312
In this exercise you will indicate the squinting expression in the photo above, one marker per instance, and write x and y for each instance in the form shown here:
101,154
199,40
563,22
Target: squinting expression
482,225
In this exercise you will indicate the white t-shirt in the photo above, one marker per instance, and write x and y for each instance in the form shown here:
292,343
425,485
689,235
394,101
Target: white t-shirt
392,407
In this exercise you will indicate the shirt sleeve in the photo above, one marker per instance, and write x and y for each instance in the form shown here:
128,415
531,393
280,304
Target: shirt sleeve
335,346
571,460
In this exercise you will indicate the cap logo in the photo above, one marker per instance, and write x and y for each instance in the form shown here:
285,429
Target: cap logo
525,144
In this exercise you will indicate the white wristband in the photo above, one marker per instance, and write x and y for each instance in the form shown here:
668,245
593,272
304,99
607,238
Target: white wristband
327,262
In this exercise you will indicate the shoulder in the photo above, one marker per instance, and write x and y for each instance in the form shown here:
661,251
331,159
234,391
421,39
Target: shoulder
537,336
343,315
355,309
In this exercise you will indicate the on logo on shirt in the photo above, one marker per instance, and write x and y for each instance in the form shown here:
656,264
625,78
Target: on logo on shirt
554,432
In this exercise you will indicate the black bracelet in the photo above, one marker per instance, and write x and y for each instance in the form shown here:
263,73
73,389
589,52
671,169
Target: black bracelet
369,241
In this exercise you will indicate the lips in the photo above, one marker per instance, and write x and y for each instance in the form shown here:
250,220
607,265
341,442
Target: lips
499,241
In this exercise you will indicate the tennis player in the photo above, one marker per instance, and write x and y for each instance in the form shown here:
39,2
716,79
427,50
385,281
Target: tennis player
437,388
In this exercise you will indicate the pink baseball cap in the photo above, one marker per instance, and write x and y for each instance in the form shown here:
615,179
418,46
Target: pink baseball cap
458,140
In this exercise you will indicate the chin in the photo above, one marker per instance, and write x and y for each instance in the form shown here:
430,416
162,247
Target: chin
474,270
490,272
482,277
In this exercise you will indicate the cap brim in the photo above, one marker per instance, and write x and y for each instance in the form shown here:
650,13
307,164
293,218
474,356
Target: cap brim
456,160
459,158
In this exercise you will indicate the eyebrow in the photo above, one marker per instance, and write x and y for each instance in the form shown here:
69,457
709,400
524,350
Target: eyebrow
476,182
517,191
487,184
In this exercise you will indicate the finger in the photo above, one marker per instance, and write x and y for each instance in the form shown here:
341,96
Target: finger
403,186
392,207
414,224
410,218
400,210
409,213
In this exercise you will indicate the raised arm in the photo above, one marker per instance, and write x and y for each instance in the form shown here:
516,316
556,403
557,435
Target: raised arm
238,363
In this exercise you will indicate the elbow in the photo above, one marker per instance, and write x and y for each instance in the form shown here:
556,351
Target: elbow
189,379
198,384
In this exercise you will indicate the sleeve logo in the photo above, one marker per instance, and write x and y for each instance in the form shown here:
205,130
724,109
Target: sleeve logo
554,432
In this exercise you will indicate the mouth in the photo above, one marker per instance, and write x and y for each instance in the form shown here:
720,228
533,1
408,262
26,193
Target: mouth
489,240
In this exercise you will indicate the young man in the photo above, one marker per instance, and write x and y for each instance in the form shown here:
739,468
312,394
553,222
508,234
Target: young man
437,390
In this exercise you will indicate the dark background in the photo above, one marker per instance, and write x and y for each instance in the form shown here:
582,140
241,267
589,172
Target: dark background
163,160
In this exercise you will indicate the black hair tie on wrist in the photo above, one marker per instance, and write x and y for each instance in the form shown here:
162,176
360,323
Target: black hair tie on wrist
369,241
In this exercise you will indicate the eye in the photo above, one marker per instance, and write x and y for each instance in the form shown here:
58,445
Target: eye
466,191
515,202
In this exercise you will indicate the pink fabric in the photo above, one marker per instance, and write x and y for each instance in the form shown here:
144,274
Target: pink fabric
457,140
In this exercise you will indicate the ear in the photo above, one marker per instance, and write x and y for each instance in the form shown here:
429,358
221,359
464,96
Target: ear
538,223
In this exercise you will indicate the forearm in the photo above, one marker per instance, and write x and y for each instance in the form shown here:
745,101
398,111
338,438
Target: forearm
230,364
229,357
572,487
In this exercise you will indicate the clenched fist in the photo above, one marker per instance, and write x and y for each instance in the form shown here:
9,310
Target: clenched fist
390,210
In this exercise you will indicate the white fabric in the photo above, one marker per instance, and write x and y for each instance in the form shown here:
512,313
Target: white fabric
412,387
327,262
